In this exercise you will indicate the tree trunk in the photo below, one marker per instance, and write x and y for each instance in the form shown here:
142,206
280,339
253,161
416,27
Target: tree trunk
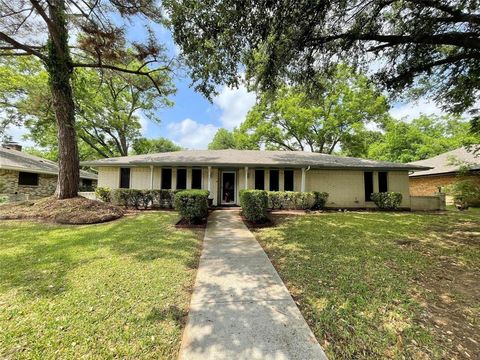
60,69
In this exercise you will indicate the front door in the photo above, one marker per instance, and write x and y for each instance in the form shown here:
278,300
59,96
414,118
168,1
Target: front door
228,188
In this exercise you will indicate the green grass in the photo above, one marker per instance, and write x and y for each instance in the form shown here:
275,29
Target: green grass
115,290
372,285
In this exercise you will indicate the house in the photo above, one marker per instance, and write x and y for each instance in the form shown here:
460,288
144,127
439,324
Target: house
444,171
26,176
349,181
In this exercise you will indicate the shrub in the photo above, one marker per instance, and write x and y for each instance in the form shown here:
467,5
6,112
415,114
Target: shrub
146,198
127,197
254,204
320,200
192,205
387,200
307,200
104,194
276,199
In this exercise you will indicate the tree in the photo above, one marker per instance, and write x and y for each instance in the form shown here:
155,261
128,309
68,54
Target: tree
426,45
224,139
151,146
102,27
337,117
422,138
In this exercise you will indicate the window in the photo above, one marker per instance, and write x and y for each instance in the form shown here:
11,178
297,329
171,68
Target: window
181,179
166,179
382,181
288,180
274,180
87,182
259,179
124,178
26,178
368,183
196,178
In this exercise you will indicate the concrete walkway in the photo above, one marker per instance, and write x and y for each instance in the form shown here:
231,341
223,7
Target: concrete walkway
240,308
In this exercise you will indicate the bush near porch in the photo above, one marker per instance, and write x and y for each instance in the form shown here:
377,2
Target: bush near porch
155,199
192,205
294,200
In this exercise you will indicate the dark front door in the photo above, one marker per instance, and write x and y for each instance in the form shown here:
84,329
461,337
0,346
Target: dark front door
228,187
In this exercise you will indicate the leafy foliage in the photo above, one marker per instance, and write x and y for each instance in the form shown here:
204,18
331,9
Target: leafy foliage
151,146
430,47
387,200
103,193
337,117
422,138
192,205
254,205
293,200
224,139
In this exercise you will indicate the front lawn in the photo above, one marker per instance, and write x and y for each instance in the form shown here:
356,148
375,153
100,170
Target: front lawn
384,285
116,290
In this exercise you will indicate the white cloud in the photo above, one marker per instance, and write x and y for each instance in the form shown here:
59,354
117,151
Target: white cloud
412,110
191,134
235,104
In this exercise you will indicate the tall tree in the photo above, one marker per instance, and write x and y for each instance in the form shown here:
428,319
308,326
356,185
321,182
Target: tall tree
422,138
151,146
103,26
235,139
430,46
336,117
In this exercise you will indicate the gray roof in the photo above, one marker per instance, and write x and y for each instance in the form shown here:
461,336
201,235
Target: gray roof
253,158
448,162
21,161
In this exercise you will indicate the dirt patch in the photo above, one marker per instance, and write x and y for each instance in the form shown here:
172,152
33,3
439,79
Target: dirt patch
268,222
75,211
453,302
184,224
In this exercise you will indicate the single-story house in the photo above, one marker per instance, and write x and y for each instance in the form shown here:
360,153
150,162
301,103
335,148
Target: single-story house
349,181
26,176
444,171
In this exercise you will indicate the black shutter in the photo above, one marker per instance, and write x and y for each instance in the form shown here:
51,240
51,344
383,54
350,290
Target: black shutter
196,178
166,179
274,180
368,183
181,179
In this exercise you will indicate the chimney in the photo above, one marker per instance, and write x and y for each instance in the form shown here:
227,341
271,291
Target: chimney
12,145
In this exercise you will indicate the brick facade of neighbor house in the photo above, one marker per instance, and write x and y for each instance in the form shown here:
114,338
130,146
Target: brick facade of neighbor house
428,185
9,185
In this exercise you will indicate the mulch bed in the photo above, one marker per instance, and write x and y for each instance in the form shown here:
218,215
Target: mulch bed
75,211
253,225
184,224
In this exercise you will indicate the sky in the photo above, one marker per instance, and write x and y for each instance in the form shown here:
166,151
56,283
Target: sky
193,120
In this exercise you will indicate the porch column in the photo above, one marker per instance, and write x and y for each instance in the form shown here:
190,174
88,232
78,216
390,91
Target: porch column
302,188
151,177
246,177
209,182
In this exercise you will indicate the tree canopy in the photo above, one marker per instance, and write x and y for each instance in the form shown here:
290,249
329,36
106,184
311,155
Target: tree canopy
151,146
422,138
336,118
428,47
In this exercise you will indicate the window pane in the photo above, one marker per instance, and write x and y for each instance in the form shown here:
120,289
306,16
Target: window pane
181,179
166,179
124,178
382,181
274,180
25,178
196,178
368,182
288,180
259,179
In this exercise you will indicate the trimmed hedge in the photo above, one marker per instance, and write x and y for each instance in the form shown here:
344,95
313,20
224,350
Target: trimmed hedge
292,200
254,205
387,200
155,199
192,205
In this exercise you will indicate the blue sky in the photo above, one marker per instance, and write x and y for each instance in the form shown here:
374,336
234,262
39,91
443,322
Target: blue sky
193,120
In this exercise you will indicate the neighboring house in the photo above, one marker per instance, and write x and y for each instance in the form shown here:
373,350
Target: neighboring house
26,176
349,181
444,171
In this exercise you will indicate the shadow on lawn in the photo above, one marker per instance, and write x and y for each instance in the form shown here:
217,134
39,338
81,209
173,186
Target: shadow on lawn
40,263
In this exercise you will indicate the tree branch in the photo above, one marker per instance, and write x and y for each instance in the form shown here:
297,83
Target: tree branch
19,46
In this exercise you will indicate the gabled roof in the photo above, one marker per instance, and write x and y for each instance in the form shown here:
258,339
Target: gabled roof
21,161
253,158
448,162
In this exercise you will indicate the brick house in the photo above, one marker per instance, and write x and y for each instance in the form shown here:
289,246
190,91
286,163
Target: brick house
444,171
24,176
